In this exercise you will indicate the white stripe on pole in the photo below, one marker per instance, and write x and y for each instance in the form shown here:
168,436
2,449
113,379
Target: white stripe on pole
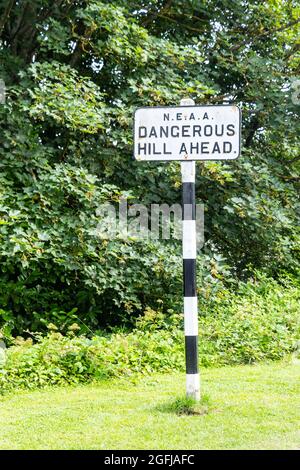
189,249
188,170
189,253
193,386
191,317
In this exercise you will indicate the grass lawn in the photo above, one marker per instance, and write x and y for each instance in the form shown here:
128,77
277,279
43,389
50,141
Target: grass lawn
252,407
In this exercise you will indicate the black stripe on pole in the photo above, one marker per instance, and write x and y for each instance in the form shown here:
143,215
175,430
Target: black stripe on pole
188,201
189,277
191,354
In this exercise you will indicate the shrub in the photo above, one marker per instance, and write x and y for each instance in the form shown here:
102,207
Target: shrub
259,322
187,406
56,359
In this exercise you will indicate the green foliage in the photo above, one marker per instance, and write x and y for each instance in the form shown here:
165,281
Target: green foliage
66,98
74,73
260,322
187,406
57,359
250,407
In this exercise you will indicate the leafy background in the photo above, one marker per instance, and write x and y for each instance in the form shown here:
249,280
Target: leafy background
74,73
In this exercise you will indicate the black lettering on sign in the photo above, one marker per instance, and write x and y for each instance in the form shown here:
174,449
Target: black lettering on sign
196,131
165,152
205,116
194,147
142,149
152,132
208,130
216,148
166,117
192,117
186,131
183,149
142,132
154,150
173,131
179,116
230,129
204,148
227,147
164,131
220,132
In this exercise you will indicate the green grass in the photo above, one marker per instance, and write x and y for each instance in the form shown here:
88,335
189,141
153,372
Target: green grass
247,407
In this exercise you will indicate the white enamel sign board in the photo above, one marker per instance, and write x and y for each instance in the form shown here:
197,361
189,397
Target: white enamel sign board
187,133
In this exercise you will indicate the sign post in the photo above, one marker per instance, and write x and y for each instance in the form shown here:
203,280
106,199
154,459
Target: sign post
187,133
189,255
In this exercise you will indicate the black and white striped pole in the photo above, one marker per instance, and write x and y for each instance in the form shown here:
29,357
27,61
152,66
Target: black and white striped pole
189,253
187,133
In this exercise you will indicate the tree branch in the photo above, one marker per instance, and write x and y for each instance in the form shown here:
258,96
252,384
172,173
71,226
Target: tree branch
254,126
293,160
265,34
6,14
291,179
150,18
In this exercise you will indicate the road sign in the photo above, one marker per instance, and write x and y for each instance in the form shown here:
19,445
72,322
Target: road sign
187,133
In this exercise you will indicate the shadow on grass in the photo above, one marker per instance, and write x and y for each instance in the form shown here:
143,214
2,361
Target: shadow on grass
187,406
